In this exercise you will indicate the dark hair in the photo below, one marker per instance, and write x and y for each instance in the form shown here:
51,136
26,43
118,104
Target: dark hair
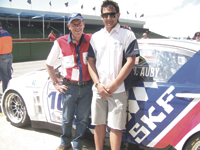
0,24
194,37
111,4
196,34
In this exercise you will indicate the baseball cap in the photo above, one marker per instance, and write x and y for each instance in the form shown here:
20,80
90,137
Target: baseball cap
73,16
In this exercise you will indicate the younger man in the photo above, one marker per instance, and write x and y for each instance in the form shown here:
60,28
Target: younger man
111,58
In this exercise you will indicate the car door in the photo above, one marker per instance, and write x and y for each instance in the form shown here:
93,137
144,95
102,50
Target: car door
162,103
53,104
53,101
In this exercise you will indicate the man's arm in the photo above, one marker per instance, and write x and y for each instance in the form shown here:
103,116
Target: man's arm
124,72
58,86
94,75
92,69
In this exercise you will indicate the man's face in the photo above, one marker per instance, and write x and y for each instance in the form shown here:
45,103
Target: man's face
109,17
145,36
76,26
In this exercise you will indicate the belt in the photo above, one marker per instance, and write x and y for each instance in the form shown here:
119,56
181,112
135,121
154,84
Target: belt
75,82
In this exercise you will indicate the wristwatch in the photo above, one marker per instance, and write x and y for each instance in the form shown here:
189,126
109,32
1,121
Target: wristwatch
96,84
55,82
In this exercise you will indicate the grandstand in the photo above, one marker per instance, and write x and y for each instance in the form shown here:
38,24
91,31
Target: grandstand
33,28
29,30
35,31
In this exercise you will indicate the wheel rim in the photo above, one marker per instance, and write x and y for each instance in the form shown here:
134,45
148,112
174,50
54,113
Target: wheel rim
196,146
14,107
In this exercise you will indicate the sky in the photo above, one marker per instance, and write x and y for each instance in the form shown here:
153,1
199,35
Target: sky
171,18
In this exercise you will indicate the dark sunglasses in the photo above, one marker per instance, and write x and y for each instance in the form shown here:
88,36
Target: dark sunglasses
112,15
197,35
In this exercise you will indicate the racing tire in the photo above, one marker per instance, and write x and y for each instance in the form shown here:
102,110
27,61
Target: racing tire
15,109
193,143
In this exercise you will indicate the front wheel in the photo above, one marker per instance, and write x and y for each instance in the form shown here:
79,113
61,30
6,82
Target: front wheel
15,109
193,143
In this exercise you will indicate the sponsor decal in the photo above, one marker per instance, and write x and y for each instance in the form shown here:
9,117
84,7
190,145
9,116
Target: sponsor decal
140,131
145,71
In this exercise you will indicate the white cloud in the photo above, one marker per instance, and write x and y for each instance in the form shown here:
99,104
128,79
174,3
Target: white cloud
158,7
181,22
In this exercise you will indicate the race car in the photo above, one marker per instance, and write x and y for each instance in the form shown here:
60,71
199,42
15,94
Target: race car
163,104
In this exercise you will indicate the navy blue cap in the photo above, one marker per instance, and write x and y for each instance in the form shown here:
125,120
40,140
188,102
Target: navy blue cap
73,16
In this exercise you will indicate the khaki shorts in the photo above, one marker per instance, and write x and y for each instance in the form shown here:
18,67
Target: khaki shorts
111,109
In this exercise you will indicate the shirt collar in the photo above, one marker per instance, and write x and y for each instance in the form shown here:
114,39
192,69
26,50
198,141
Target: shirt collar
70,39
116,28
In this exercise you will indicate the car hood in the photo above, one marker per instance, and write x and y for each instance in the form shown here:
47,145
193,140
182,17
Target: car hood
29,80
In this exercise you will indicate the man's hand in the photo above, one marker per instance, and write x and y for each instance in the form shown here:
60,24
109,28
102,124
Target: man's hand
110,88
102,91
60,87
125,26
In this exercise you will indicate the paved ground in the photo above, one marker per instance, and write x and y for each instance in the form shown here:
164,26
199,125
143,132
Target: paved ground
28,138
13,138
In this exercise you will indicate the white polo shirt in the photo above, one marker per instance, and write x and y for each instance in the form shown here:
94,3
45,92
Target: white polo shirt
110,51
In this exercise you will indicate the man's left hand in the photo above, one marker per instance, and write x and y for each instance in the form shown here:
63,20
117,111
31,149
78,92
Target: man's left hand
125,26
111,87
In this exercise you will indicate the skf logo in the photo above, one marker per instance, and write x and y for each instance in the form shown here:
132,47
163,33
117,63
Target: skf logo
150,121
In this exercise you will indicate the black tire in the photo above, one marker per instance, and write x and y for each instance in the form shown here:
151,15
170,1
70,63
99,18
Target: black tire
193,143
15,109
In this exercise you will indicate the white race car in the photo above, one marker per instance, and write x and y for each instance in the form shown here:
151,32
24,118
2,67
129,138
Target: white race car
164,104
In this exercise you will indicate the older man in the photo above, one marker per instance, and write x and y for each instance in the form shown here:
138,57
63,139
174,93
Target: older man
76,87
144,36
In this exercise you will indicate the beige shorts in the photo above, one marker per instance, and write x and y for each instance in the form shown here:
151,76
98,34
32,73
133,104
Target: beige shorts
111,109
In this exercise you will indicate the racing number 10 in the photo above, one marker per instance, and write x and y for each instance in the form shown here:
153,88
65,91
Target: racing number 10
55,98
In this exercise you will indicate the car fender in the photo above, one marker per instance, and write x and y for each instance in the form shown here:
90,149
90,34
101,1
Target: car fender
30,88
186,135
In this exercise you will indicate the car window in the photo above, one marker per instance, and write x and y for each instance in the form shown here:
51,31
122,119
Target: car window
159,63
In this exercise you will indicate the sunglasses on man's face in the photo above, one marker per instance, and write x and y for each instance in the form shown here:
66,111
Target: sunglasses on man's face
112,15
197,35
